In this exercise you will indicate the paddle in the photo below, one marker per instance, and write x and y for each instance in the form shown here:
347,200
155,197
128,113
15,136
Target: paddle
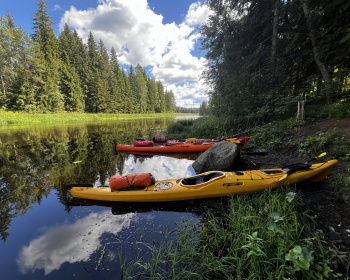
321,155
300,166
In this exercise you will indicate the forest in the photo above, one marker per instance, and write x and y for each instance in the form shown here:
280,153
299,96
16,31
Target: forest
265,56
43,73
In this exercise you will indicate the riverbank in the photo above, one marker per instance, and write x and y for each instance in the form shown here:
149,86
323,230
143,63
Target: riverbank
9,118
321,247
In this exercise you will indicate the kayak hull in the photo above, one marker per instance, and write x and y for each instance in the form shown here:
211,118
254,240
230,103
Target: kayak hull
173,148
207,185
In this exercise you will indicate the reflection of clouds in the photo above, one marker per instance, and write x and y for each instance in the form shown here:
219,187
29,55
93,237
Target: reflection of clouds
70,242
160,167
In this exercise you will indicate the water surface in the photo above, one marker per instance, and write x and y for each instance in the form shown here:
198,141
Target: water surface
46,236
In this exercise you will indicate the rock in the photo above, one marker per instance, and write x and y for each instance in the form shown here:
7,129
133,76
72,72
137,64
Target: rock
222,157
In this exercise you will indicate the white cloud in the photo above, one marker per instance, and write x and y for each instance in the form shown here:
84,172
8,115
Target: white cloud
70,242
57,7
139,36
161,168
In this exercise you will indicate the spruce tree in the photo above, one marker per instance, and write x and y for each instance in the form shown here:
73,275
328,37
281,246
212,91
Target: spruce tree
14,59
80,60
152,93
161,100
69,79
141,89
93,81
104,81
170,101
116,84
48,97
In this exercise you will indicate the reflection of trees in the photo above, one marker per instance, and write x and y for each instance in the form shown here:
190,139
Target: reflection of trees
36,160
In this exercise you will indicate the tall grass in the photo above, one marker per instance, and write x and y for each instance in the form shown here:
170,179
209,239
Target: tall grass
255,236
7,117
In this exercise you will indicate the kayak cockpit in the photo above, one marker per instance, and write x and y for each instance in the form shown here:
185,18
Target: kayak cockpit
200,179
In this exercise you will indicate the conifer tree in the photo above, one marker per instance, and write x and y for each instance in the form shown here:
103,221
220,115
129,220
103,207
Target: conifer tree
170,101
93,82
117,84
80,60
161,98
48,97
69,79
152,93
129,100
134,105
14,49
141,89
104,80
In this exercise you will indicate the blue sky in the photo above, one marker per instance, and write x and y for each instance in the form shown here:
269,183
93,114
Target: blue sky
160,35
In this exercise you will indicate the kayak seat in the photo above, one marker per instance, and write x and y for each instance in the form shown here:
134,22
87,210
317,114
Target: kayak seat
295,167
196,180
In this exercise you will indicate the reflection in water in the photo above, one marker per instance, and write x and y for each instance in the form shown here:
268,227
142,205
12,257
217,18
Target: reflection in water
195,207
192,156
160,167
70,242
36,159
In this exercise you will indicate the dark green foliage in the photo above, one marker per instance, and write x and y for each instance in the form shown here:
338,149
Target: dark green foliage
170,101
263,56
50,74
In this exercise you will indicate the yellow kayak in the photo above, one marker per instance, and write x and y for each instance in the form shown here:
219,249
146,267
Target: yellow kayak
209,184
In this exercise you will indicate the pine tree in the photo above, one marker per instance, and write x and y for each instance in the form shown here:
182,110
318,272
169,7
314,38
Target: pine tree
141,89
170,101
80,60
129,100
48,97
134,105
152,93
117,84
93,82
69,79
161,99
104,80
14,50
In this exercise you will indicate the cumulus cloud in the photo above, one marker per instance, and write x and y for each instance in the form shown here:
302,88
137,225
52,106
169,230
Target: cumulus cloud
70,242
138,35
161,168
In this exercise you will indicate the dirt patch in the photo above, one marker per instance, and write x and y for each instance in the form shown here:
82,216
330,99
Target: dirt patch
326,202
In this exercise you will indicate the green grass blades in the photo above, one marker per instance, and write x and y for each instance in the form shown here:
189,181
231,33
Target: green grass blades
253,236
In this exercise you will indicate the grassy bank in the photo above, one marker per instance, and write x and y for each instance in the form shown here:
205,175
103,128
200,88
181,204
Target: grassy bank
254,236
8,118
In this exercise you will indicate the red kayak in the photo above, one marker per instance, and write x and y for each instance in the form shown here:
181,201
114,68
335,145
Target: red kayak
167,148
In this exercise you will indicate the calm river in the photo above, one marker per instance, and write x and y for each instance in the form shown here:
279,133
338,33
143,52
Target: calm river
45,236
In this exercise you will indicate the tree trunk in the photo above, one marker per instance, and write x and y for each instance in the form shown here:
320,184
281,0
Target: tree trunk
3,84
324,72
301,112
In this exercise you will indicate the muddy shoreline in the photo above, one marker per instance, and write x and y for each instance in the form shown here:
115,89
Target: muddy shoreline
327,201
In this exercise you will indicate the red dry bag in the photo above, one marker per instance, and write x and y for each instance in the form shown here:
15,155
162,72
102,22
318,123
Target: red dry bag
131,181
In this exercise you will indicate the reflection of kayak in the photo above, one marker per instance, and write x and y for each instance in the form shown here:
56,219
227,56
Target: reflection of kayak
117,207
171,148
191,156
209,184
